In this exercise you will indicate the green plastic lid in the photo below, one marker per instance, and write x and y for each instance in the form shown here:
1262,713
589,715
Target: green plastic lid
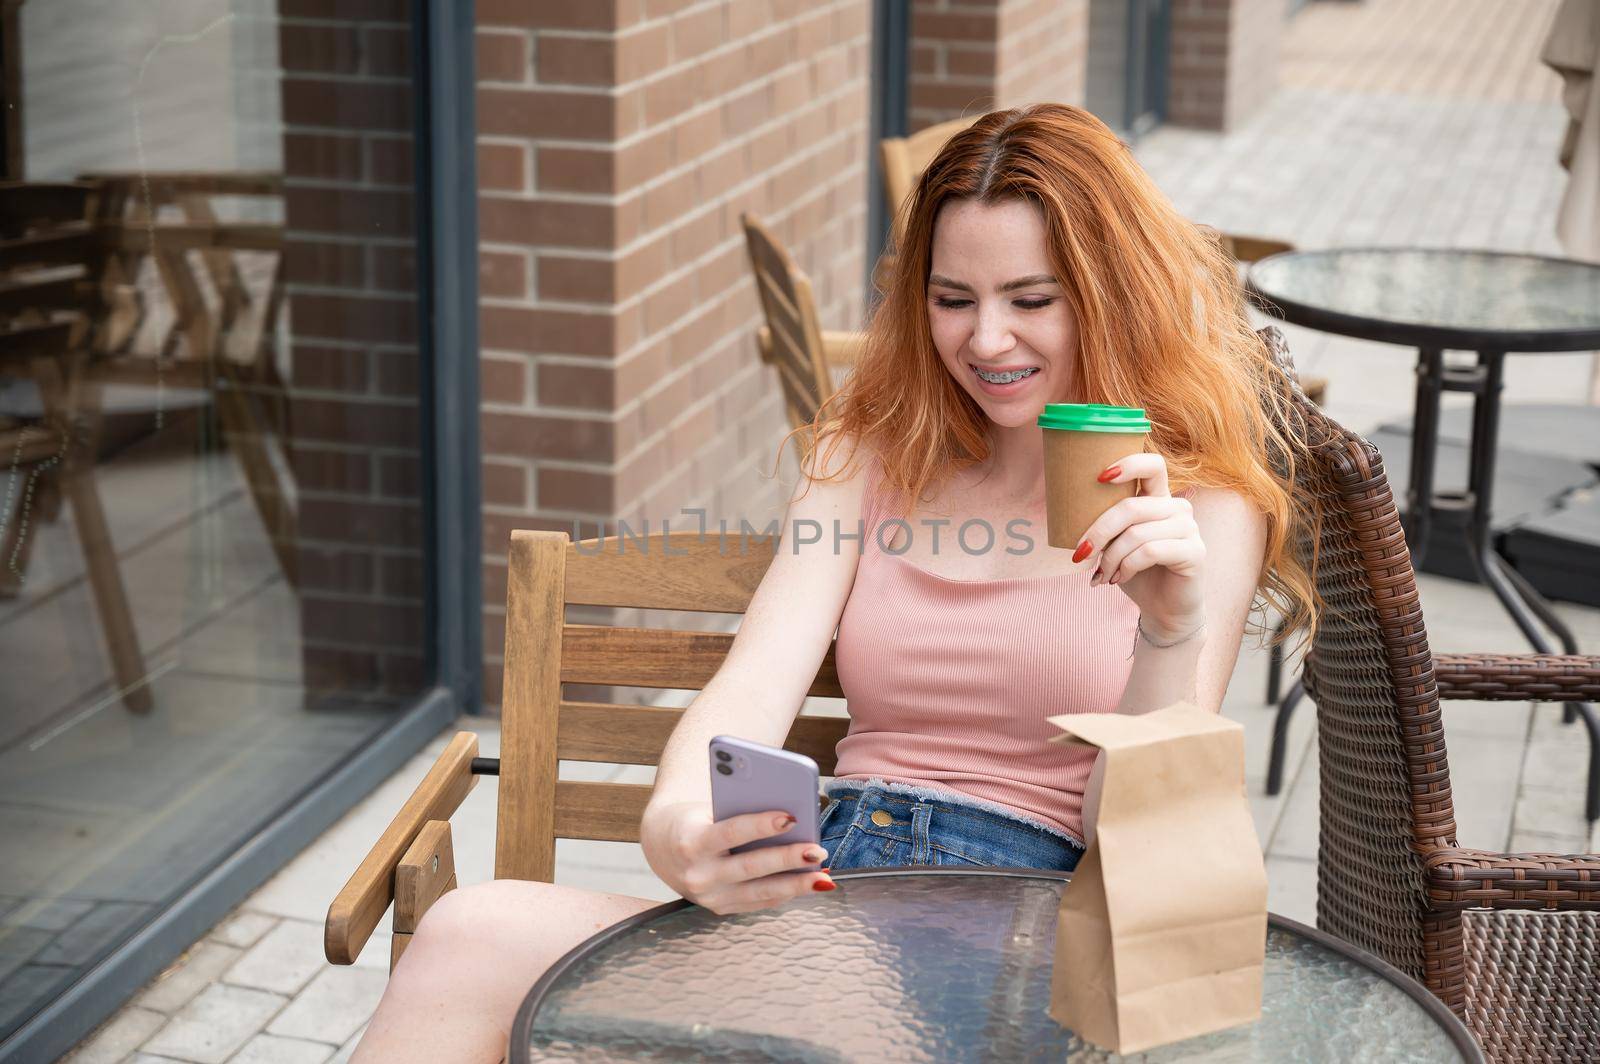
1093,417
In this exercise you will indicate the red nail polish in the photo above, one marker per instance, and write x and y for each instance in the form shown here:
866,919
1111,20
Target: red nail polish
823,884
1111,474
1084,550
785,821
824,870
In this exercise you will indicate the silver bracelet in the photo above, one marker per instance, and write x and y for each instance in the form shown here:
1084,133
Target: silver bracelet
1163,646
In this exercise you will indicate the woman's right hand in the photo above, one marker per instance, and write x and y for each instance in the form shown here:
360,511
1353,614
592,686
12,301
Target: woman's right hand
689,851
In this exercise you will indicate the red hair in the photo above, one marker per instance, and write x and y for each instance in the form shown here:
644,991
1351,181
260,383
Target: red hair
1161,324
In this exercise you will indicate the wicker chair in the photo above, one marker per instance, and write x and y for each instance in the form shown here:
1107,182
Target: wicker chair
1510,942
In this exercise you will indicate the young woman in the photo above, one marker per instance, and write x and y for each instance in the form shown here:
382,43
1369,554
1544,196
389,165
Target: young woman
1040,265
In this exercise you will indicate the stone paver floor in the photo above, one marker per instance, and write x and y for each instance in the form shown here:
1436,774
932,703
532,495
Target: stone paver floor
1355,148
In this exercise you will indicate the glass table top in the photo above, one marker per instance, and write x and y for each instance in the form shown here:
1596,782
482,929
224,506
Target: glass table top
1465,298
911,966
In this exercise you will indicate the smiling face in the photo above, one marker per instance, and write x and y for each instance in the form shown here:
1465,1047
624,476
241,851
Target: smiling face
1000,319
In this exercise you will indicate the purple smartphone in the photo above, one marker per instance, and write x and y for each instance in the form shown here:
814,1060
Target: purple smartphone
750,777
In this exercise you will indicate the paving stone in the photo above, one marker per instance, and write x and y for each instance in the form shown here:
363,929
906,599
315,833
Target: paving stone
213,1026
197,969
244,928
19,945
112,1043
1292,888
49,914
283,961
336,1004
271,1049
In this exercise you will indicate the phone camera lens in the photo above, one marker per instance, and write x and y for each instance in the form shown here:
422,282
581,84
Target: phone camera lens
723,755
725,770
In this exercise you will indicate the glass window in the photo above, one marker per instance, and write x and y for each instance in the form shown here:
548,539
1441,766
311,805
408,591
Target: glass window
211,532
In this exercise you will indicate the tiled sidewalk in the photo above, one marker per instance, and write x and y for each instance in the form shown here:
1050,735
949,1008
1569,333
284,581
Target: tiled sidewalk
1395,124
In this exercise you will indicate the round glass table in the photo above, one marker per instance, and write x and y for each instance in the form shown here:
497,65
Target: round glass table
929,965
1438,300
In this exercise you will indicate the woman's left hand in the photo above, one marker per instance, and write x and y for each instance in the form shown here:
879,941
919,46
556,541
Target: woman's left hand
1150,547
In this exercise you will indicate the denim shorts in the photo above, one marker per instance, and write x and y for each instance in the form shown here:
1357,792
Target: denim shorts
878,825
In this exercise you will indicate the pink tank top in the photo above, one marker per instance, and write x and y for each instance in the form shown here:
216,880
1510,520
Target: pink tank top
949,682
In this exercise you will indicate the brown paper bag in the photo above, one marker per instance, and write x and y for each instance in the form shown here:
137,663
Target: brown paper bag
1162,932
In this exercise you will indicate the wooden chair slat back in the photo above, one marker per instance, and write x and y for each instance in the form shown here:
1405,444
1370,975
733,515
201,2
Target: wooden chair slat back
791,312
658,657
55,290
904,159
539,728
636,735
707,573
35,341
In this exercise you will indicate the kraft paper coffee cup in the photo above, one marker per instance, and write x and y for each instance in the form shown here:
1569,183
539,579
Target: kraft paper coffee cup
1080,441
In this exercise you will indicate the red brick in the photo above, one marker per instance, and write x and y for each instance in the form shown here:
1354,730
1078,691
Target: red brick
365,212
325,469
353,10
576,387
400,576
572,489
502,274
398,373
546,221
696,32
669,303
563,60
577,280
391,160
562,332
538,436
323,263
356,424
933,25
400,476
388,51
642,53
502,56
505,484
535,113
565,15
503,380
347,104
503,167
322,155
576,169
394,268
318,48
350,317
317,367
343,621
351,572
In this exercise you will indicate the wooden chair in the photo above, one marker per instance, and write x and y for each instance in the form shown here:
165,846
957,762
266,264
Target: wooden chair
412,863
1510,942
222,346
792,341
51,257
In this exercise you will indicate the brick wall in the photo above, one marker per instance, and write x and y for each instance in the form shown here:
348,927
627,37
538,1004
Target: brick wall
971,56
350,293
618,142
1224,60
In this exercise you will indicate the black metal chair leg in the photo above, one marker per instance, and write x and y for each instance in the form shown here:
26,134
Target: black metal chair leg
1280,737
1275,667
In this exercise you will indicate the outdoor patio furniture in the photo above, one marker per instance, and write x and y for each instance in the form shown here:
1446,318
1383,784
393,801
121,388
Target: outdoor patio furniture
1443,299
212,333
50,258
930,964
1511,942
411,863
792,341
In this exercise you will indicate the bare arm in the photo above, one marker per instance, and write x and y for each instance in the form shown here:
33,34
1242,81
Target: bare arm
1198,669
757,692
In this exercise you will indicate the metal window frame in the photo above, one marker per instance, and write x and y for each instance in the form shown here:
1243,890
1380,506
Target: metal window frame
446,204
889,116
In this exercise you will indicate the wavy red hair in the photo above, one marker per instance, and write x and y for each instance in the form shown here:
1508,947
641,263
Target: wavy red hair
1161,324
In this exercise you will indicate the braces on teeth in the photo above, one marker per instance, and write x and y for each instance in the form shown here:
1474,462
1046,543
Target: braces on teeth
1005,378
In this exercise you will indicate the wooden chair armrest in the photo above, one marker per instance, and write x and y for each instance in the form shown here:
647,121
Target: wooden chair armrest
425,874
842,348
1474,879
764,344
360,905
1518,677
